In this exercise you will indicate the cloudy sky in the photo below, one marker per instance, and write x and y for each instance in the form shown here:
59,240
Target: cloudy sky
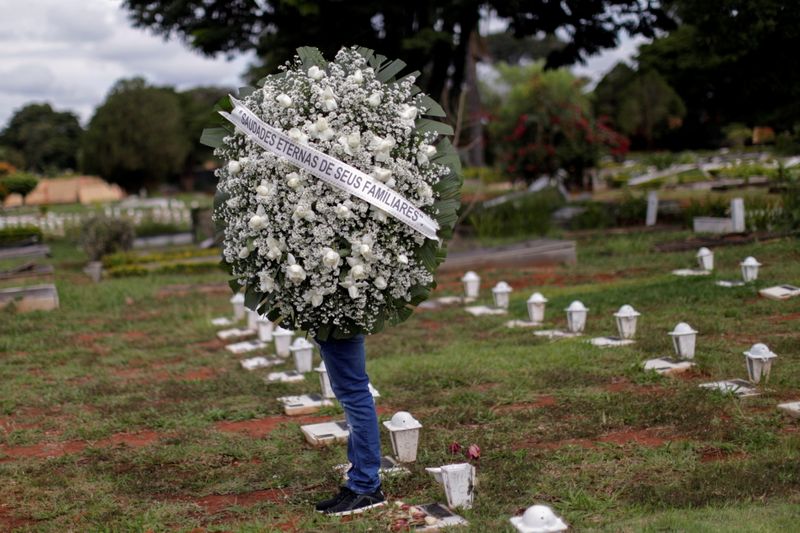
70,52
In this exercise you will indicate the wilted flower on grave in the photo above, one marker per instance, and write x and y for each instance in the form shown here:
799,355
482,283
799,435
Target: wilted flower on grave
473,453
454,448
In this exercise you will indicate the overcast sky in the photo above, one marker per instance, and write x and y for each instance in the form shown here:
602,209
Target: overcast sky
70,52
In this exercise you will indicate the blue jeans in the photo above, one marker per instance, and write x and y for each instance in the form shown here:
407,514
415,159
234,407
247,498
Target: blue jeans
345,361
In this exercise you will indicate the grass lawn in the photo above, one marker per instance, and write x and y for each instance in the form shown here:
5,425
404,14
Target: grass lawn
122,412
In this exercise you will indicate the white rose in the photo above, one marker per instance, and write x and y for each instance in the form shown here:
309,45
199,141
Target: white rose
357,77
243,252
234,167
316,298
263,190
297,136
267,283
381,174
374,100
379,214
352,290
330,258
295,273
382,147
342,211
402,259
316,73
322,129
284,100
328,99
358,272
364,249
257,222
408,112
303,211
293,180
380,283
424,191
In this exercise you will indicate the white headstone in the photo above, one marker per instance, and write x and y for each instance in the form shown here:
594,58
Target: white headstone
652,208
737,215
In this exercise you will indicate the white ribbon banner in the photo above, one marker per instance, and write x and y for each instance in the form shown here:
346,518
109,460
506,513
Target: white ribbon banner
331,170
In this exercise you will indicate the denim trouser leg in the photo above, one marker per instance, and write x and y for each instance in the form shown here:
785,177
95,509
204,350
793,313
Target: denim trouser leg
345,361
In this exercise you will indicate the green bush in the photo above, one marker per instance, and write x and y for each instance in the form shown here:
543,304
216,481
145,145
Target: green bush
486,175
596,215
12,236
123,271
528,214
101,235
20,183
127,258
151,228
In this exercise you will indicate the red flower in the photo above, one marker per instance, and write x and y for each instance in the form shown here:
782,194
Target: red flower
473,452
454,448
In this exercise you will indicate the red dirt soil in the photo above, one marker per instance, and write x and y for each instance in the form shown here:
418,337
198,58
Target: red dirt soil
542,401
650,438
215,503
57,449
711,455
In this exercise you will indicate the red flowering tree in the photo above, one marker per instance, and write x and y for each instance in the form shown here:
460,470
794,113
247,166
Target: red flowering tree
544,123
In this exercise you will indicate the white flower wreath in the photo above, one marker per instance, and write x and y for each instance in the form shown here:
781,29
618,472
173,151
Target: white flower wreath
312,255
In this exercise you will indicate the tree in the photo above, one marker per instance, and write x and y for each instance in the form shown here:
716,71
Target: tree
20,183
640,104
47,140
545,124
197,108
730,61
433,36
137,137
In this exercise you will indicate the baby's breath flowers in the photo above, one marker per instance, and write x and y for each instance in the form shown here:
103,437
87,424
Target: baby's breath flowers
312,254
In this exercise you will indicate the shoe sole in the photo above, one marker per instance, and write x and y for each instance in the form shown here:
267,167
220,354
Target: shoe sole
356,511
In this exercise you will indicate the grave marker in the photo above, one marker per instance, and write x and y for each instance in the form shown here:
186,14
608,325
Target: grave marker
749,269
283,340
482,310
737,215
404,432
246,346
459,483
233,333
326,433
536,304
290,376
668,365
472,284
576,317
737,387
538,519
759,360
652,208
305,404
501,293
302,351
790,408
254,363
780,292
705,259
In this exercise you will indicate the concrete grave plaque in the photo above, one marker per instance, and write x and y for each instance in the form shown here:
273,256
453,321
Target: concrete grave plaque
303,405
522,324
254,363
556,334
667,365
438,516
738,387
610,342
482,310
728,283
790,408
780,292
685,272
221,322
737,215
326,433
246,346
234,333
291,376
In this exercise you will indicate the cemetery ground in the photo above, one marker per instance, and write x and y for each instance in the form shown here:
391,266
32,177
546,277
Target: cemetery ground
121,411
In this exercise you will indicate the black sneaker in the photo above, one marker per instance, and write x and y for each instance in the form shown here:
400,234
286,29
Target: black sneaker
356,503
324,505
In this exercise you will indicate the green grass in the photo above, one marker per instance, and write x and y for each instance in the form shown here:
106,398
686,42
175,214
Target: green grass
610,447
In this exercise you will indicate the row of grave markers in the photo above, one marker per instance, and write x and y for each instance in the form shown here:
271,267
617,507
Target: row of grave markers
458,480
758,359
